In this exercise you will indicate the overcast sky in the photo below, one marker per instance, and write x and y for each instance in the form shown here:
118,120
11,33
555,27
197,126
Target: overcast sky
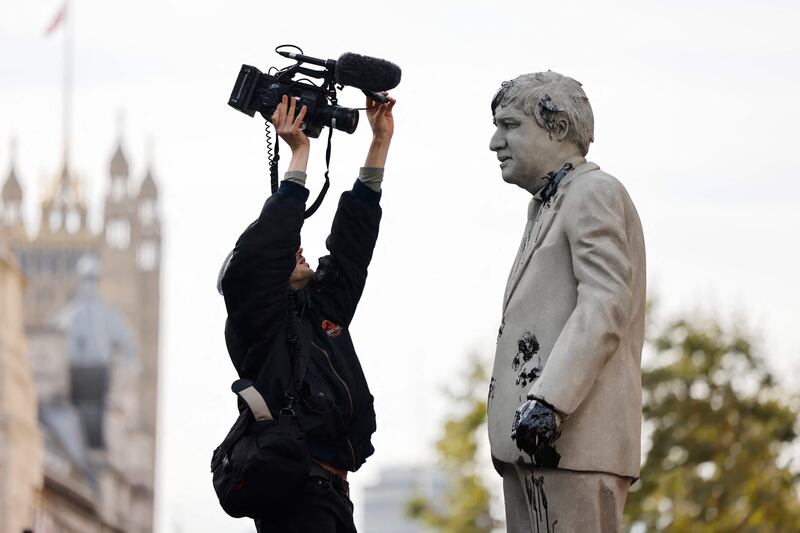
696,113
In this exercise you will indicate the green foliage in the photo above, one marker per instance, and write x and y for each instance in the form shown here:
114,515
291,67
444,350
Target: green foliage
720,428
466,505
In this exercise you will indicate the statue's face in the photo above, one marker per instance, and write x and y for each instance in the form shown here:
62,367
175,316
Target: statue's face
523,148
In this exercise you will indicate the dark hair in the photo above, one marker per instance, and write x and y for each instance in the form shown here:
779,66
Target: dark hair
545,95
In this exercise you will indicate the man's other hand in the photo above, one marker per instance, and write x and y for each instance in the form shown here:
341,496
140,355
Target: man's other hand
380,118
381,121
289,129
287,125
535,426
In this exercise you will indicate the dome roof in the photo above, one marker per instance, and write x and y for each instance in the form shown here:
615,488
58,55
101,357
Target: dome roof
11,188
119,164
96,331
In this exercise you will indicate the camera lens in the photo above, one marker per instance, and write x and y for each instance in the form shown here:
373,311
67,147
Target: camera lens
341,118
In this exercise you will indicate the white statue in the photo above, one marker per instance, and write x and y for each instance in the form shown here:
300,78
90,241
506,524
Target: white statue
565,395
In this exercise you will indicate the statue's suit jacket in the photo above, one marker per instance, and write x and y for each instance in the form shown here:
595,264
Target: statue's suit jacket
573,326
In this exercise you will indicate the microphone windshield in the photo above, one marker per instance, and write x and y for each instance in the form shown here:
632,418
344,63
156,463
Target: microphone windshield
367,73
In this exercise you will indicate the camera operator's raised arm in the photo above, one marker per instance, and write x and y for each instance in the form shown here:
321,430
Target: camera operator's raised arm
355,227
381,121
289,129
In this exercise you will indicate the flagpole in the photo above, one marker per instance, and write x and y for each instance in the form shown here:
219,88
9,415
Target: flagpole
67,82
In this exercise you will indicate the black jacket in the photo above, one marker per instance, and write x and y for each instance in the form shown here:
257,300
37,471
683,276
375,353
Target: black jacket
336,407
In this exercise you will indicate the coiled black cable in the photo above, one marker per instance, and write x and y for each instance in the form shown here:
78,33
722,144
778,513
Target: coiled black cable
273,157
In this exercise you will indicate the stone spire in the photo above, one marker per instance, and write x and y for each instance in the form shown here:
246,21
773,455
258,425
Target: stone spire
12,191
11,197
64,209
119,163
148,189
118,171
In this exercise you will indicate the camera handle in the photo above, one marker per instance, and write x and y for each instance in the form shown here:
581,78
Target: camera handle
274,157
377,97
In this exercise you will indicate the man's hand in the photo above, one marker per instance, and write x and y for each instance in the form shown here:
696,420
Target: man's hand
381,121
289,129
535,427
380,118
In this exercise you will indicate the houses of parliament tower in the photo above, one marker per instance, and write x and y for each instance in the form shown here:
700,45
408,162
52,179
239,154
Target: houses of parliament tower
90,308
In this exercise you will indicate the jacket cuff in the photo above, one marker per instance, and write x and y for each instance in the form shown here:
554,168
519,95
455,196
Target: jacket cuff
296,176
371,177
293,190
365,193
539,398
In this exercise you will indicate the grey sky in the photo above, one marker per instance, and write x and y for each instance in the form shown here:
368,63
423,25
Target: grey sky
696,113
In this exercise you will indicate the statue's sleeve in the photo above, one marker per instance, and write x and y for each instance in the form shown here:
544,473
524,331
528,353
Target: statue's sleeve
596,228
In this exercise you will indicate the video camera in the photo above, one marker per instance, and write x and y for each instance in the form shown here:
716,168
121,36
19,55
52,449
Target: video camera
256,91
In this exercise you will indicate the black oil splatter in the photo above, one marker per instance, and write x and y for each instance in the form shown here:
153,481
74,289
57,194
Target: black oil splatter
534,488
491,389
546,103
549,111
524,378
535,430
500,330
527,347
547,456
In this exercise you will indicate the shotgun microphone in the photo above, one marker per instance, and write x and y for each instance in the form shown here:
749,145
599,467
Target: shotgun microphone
367,73
362,72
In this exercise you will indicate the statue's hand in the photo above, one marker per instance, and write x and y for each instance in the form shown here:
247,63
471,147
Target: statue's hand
535,426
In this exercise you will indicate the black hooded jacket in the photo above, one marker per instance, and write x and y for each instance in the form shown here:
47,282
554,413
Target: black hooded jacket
335,406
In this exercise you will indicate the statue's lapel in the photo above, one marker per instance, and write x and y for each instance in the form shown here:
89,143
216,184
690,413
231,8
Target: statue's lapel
543,216
520,260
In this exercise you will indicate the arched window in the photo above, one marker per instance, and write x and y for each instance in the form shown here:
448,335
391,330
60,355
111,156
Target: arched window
73,221
119,188
11,213
147,212
56,219
118,233
147,256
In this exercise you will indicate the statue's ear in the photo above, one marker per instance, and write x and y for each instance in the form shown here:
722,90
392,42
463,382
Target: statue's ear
559,126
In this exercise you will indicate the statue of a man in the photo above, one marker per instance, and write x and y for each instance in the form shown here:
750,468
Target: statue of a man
565,394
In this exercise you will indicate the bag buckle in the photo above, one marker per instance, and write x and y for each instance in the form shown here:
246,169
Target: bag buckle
289,409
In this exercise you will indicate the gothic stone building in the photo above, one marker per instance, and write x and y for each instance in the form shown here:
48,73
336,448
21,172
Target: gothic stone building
91,325
20,440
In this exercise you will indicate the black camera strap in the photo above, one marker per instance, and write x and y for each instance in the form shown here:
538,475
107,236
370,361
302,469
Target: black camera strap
273,171
318,202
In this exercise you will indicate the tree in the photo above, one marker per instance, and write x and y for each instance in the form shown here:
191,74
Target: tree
466,505
721,430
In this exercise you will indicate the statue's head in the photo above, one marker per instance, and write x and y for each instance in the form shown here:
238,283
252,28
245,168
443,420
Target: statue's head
543,120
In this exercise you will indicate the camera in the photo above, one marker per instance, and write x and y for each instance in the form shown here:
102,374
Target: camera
255,91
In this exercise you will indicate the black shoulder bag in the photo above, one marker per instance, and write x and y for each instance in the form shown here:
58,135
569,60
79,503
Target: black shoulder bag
262,464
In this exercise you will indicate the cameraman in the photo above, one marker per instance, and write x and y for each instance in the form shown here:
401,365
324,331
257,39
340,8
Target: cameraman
271,293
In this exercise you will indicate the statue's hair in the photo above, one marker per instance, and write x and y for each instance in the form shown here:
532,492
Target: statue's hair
545,95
